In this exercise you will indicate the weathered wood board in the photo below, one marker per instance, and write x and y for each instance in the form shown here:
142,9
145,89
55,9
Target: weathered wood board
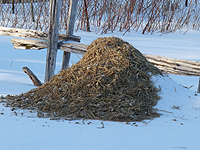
175,66
73,47
34,34
28,44
167,65
38,44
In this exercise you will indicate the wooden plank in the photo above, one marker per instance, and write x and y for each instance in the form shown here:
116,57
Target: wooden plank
175,66
73,48
28,44
171,60
66,37
34,34
167,65
38,44
178,71
55,8
70,30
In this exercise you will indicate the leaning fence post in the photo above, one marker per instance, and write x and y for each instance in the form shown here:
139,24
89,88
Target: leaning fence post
198,89
55,8
70,30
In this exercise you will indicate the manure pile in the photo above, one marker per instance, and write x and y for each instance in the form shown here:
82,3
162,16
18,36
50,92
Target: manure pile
111,82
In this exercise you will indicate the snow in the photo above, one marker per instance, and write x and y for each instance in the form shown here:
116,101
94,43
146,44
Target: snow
176,128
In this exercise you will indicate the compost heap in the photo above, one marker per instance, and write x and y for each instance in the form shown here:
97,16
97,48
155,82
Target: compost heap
111,82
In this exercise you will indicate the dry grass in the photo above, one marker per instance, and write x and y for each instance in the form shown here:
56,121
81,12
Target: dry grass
111,82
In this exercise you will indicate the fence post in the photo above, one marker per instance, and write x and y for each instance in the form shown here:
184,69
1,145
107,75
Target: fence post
198,89
70,30
55,8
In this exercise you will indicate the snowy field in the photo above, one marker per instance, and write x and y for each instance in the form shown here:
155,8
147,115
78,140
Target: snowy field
178,127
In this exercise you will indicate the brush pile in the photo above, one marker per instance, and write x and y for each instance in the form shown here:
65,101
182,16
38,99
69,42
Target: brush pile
111,82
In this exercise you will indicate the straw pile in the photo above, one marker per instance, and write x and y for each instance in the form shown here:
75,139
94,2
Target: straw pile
111,82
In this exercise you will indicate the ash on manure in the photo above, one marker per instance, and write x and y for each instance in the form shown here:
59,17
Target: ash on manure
110,82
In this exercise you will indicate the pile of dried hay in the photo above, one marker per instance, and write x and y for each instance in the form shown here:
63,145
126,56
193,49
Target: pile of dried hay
111,82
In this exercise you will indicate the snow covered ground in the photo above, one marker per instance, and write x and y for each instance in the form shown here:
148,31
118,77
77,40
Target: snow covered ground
177,128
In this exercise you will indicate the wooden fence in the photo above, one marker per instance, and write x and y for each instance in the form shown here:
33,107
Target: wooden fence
167,65
50,40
